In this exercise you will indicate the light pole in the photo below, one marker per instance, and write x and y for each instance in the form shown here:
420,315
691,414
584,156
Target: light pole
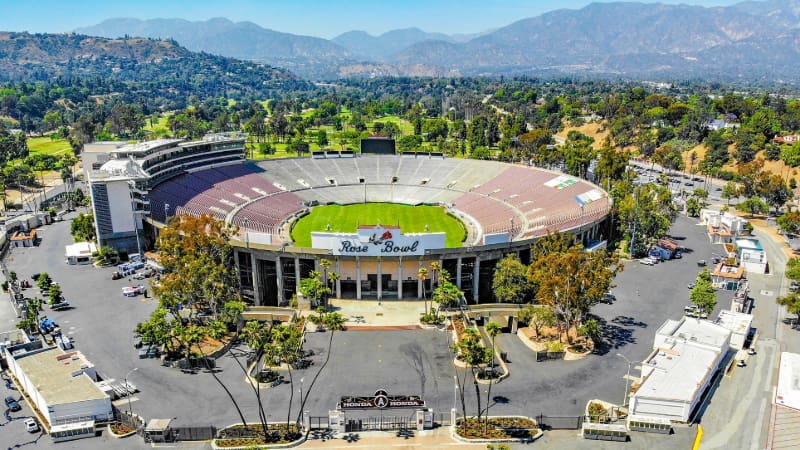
128,390
455,391
627,377
301,393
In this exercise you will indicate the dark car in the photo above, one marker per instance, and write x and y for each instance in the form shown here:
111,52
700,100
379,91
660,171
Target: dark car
12,404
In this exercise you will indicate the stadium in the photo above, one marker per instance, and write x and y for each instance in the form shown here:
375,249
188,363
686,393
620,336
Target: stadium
415,209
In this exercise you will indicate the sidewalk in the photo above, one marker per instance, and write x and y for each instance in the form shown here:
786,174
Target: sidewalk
437,438
379,315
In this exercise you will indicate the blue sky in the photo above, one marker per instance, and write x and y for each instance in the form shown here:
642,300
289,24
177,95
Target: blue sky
310,17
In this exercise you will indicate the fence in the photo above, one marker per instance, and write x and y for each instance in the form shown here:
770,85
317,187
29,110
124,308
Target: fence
318,423
559,422
544,356
194,433
130,420
380,424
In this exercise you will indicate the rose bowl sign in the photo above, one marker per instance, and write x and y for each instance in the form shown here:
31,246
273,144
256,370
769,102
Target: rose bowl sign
377,240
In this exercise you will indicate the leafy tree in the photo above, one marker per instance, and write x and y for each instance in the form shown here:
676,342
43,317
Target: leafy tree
590,329
201,275
730,190
693,207
313,287
446,293
775,191
702,294
753,206
55,294
82,228
793,269
409,143
790,222
792,304
509,283
541,316
573,281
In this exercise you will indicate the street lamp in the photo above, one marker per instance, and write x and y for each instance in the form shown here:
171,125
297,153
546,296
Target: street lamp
627,377
455,391
128,389
301,392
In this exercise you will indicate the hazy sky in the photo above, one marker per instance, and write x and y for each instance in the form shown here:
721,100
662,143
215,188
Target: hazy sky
310,17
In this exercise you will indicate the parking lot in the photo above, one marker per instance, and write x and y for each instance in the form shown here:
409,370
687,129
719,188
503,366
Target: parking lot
403,362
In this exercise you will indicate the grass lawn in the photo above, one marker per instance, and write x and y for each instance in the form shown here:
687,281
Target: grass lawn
49,146
346,218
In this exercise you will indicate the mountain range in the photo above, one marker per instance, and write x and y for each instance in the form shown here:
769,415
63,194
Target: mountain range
753,40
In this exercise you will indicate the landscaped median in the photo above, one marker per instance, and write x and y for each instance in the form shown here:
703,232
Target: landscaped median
238,436
499,429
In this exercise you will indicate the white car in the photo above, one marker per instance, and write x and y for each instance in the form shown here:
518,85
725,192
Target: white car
31,426
133,291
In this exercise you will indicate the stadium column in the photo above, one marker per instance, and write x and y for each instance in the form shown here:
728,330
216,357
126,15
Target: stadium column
279,275
358,278
400,278
296,274
458,273
476,271
256,274
380,279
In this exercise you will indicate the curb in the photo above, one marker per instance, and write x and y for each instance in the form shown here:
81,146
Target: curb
456,437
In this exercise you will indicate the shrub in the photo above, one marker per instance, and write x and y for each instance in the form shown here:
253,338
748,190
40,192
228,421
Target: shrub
555,346
596,411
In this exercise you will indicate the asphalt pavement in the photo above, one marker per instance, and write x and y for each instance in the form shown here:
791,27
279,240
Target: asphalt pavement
417,362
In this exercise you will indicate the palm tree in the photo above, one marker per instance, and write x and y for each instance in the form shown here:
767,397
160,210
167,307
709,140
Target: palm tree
326,265
435,268
422,275
257,336
333,322
288,341
492,329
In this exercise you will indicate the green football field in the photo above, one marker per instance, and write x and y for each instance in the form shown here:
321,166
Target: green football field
346,218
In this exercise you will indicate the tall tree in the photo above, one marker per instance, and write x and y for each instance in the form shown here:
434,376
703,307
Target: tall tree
200,274
492,329
509,282
333,322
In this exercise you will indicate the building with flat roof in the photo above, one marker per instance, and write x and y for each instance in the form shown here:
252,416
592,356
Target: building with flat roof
60,385
738,323
120,176
752,255
686,356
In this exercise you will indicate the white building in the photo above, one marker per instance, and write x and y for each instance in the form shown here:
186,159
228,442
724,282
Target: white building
686,356
722,227
121,175
739,325
61,385
751,255
79,252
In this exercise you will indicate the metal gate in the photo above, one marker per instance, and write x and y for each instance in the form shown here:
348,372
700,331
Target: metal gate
392,423
318,423
194,433
559,422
